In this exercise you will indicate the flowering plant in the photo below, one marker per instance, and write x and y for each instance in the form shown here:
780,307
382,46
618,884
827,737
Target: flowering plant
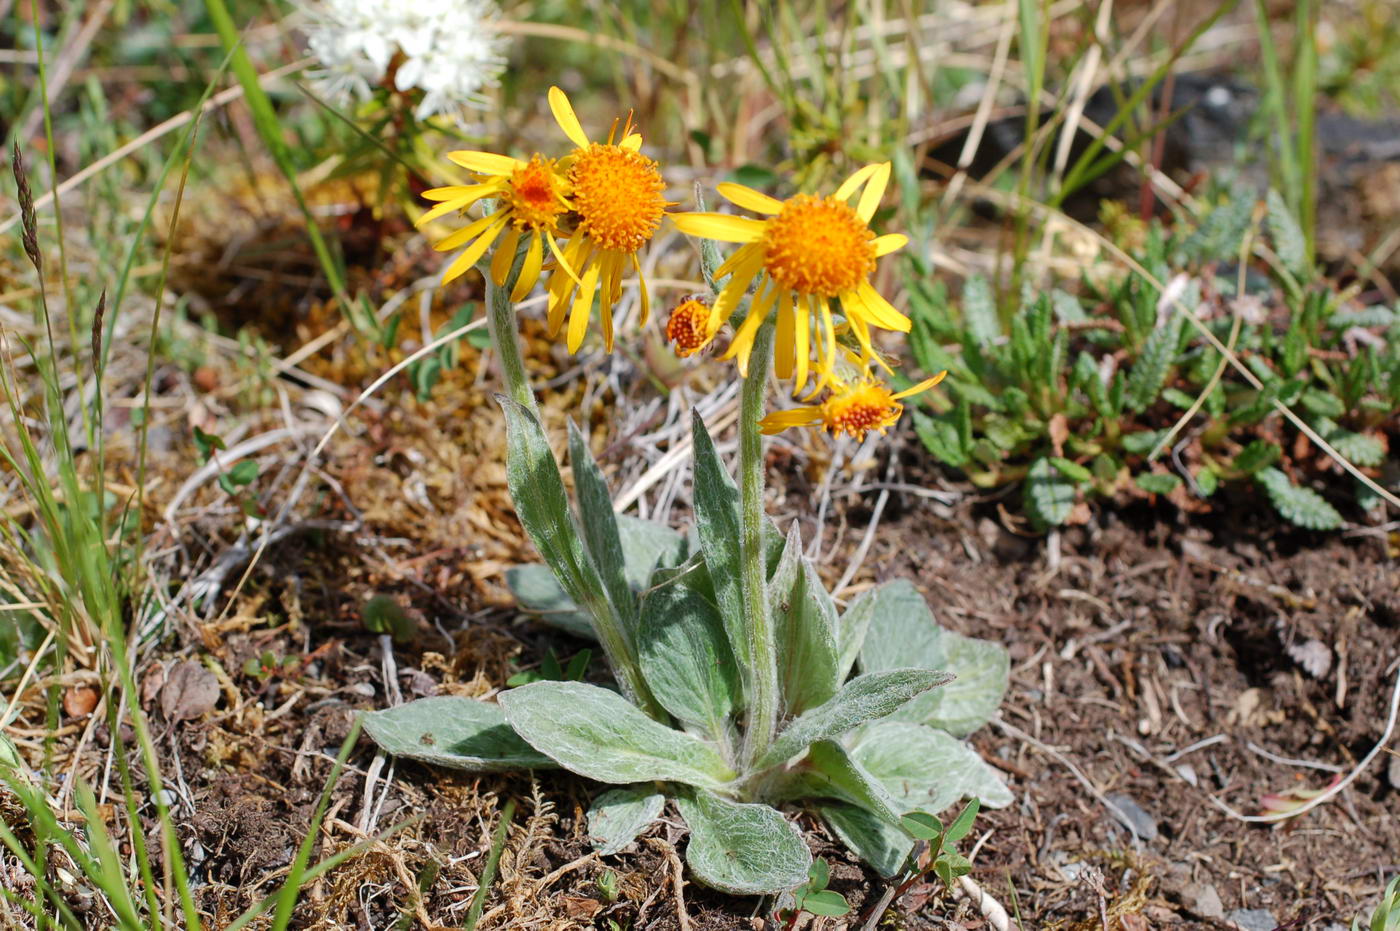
733,664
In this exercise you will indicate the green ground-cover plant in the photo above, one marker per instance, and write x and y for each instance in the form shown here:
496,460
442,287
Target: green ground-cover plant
1386,916
1089,395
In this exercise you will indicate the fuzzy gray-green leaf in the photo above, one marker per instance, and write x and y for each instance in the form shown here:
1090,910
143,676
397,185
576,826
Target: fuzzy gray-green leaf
1288,238
598,522
1048,495
884,847
804,627
599,734
979,309
717,520
1302,506
459,733
865,698
1152,365
742,849
685,657
850,781
617,816
924,768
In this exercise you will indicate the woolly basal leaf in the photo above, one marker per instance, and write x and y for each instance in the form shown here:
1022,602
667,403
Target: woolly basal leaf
865,698
459,733
804,627
598,521
619,815
926,769
742,849
717,521
844,778
884,847
685,656
599,734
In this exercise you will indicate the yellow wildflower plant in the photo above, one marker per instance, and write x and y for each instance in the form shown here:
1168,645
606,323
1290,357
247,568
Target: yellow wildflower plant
617,199
853,407
807,252
531,200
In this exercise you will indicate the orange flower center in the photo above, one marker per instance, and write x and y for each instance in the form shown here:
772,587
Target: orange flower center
687,327
818,245
537,195
617,195
860,408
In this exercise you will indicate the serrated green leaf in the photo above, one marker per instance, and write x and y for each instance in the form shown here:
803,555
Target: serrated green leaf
742,849
980,311
1301,506
455,732
617,816
1047,495
1153,364
1287,235
599,734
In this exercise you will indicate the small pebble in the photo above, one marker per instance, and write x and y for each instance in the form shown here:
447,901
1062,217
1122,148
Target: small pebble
167,797
1253,919
1143,823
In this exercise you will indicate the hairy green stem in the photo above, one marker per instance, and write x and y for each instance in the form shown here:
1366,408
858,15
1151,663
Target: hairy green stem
763,697
500,320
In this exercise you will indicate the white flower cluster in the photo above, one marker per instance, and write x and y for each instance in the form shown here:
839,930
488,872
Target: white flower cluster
448,49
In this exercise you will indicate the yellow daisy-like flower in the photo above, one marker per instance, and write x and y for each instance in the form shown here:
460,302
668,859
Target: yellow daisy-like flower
808,251
531,200
617,202
686,327
854,408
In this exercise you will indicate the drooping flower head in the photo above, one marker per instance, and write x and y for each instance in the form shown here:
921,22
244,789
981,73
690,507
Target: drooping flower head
853,407
687,327
449,50
808,253
618,203
531,200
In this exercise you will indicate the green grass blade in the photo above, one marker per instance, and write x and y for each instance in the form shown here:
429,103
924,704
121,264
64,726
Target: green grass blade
488,873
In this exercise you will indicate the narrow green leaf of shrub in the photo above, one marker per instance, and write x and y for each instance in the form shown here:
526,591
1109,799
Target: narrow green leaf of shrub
827,902
455,732
686,659
1158,483
1048,496
598,521
1141,442
599,734
717,520
617,816
1287,235
922,825
980,311
1152,365
924,768
847,780
1301,506
963,822
742,849
1207,482
865,698
1259,454
1071,470
884,847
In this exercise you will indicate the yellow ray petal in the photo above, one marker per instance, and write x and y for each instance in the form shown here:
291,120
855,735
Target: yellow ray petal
742,346
633,142
442,209
467,233
746,197
922,386
870,197
562,258
504,257
783,337
454,191
740,255
890,242
778,421
488,163
848,187
530,271
564,115
583,307
720,226
642,286
802,341
475,251
880,311
729,298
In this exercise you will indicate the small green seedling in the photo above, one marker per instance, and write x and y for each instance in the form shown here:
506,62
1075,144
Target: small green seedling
383,615
235,480
608,886
551,671
943,860
268,665
814,898
1386,917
